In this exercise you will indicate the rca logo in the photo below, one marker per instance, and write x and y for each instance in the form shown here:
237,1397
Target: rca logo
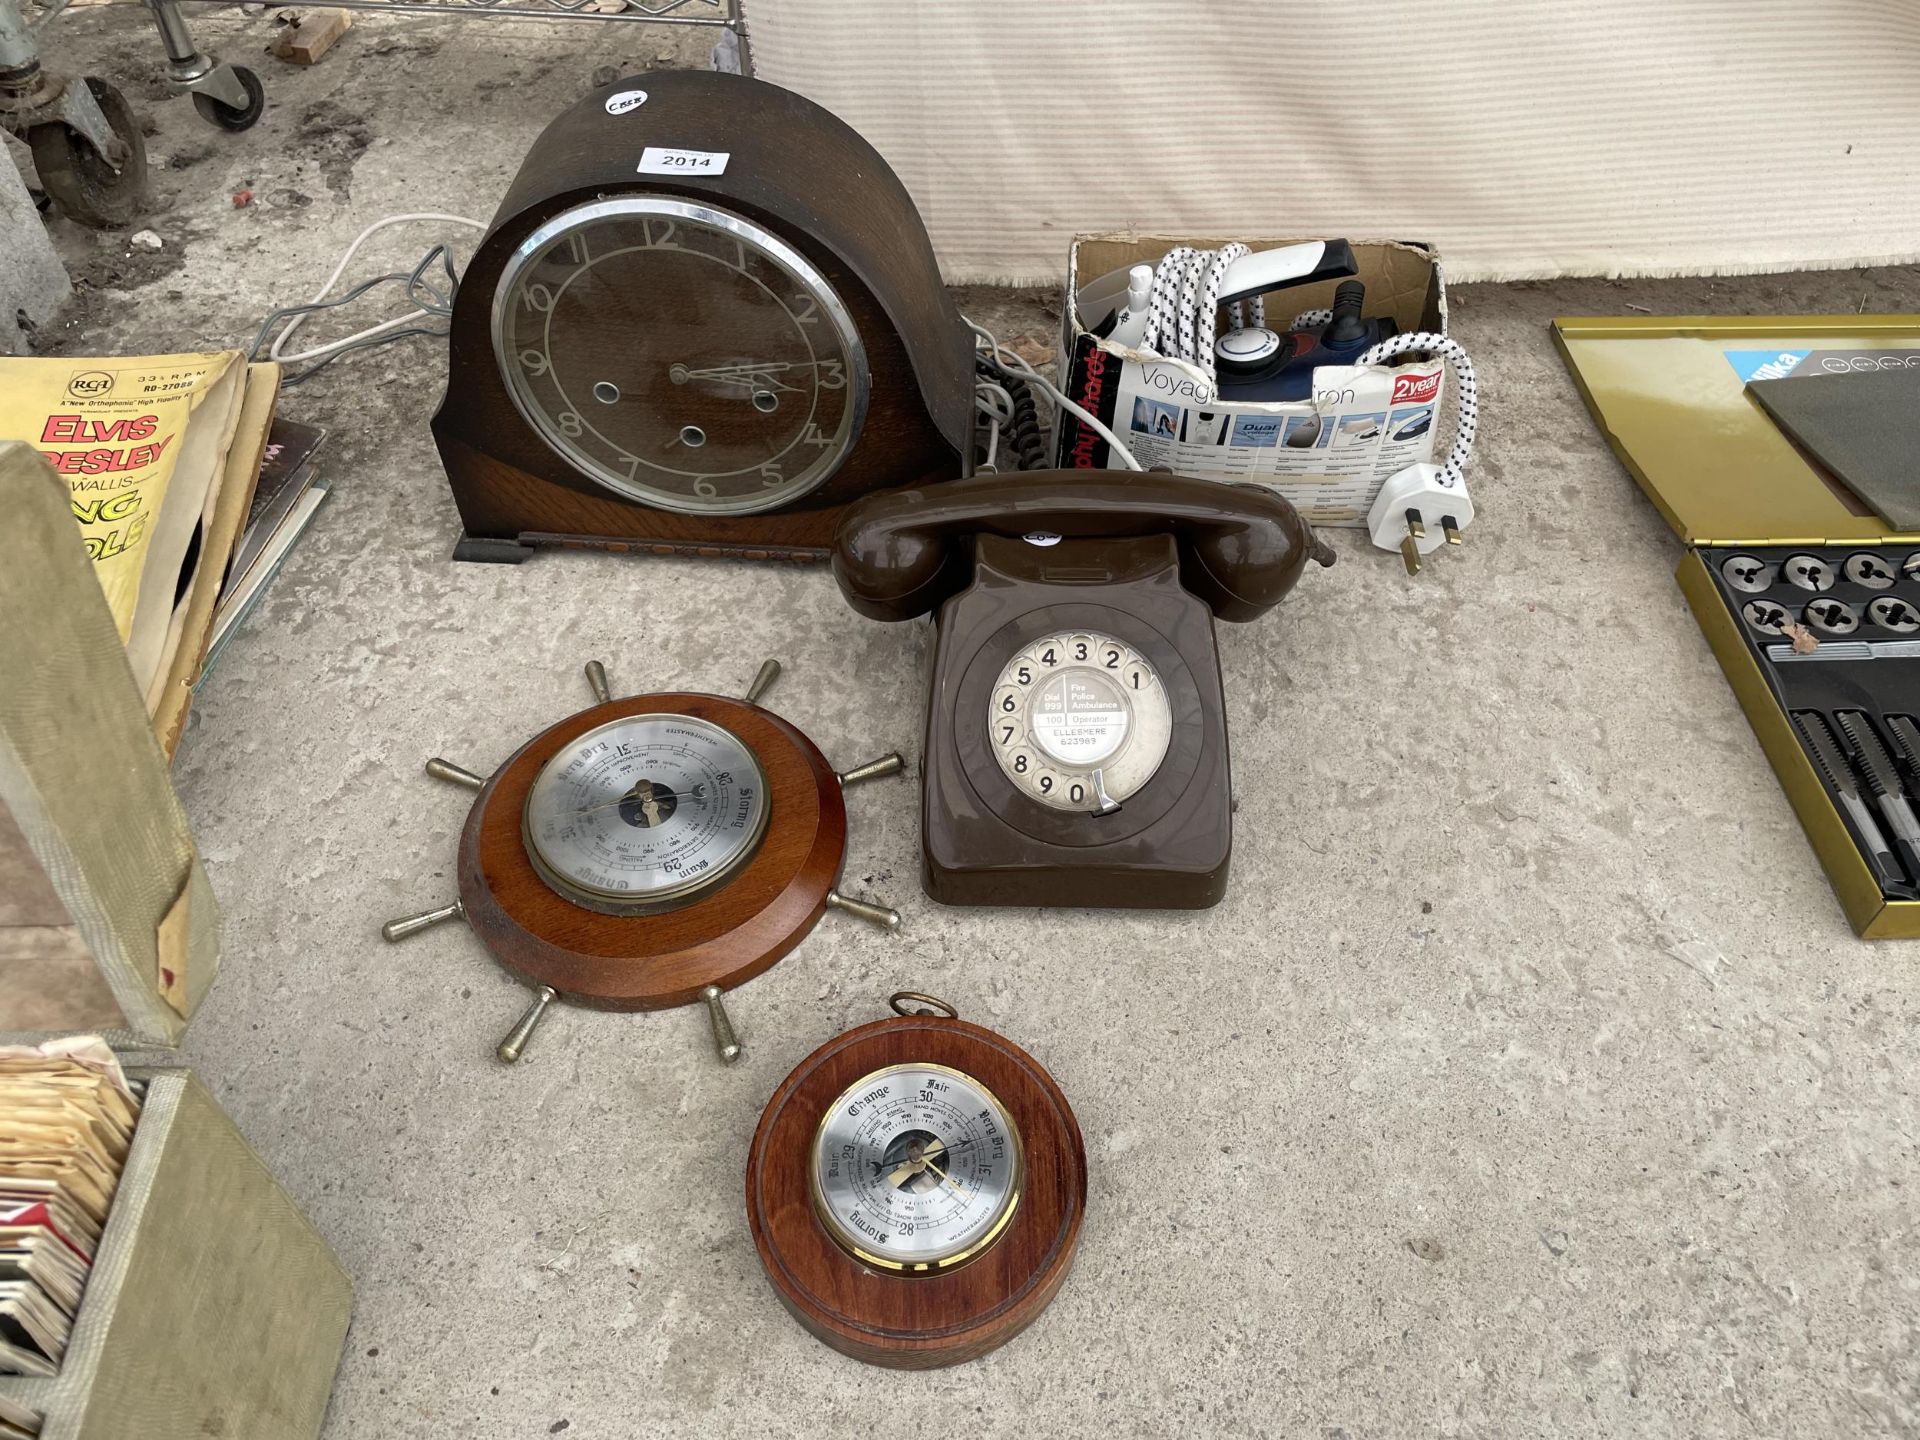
89,385
1415,388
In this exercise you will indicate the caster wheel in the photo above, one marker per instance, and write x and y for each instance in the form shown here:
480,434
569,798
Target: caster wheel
218,112
86,188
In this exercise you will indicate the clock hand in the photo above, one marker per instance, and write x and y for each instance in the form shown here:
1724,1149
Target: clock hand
745,368
755,380
755,376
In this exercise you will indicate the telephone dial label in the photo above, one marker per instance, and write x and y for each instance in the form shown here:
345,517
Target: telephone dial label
1079,717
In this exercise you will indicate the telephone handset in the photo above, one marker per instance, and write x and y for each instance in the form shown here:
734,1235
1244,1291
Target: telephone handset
1076,747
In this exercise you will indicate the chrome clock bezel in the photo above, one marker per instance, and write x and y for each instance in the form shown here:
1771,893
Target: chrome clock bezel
805,273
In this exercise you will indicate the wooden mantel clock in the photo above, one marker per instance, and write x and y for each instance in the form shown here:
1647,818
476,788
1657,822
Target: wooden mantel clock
916,1189
652,851
705,318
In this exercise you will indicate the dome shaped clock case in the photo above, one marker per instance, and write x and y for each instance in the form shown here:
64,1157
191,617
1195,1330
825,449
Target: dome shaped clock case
706,317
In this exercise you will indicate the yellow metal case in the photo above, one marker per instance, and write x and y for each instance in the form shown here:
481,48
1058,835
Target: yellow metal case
1673,405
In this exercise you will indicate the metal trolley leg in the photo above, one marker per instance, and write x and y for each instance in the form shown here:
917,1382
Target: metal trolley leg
230,96
85,140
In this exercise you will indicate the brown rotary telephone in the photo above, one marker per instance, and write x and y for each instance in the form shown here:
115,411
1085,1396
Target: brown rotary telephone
1076,731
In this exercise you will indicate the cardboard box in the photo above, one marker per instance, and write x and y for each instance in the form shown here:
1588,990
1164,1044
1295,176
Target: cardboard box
1669,393
1328,455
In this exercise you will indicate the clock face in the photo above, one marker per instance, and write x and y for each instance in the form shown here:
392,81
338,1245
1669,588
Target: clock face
680,355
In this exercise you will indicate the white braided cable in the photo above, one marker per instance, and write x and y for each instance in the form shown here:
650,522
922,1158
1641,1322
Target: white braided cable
1183,311
1164,330
1466,416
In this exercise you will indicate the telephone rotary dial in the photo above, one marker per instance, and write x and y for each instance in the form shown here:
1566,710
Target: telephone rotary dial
1076,730
1080,721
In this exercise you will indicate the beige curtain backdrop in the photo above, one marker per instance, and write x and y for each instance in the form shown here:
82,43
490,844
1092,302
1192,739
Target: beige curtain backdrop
1526,138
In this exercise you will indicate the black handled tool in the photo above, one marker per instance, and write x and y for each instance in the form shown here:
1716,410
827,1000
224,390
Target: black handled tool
1883,780
1832,764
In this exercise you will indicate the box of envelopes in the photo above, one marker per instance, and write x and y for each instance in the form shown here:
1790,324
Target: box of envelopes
188,1298
155,1281
1777,448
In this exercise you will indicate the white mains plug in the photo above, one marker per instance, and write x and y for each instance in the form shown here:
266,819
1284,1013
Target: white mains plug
1417,511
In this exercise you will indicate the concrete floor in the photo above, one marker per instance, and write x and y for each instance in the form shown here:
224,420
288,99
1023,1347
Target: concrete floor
1528,1082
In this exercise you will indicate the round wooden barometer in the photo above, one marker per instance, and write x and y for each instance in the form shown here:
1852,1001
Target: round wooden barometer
916,1189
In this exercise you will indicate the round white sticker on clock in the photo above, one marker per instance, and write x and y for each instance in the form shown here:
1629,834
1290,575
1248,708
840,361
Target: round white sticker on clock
1079,721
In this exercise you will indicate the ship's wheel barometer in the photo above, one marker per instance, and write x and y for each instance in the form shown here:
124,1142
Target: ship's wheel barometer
652,851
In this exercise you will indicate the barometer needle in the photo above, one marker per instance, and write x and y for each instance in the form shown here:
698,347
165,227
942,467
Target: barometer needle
911,1166
626,795
958,1188
907,1168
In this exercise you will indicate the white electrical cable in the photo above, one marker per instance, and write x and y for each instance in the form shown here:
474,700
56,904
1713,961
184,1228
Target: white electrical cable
1466,417
995,402
277,351
1006,359
991,465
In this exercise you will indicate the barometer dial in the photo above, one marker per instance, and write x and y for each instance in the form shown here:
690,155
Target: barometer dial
680,355
1079,721
916,1168
645,812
